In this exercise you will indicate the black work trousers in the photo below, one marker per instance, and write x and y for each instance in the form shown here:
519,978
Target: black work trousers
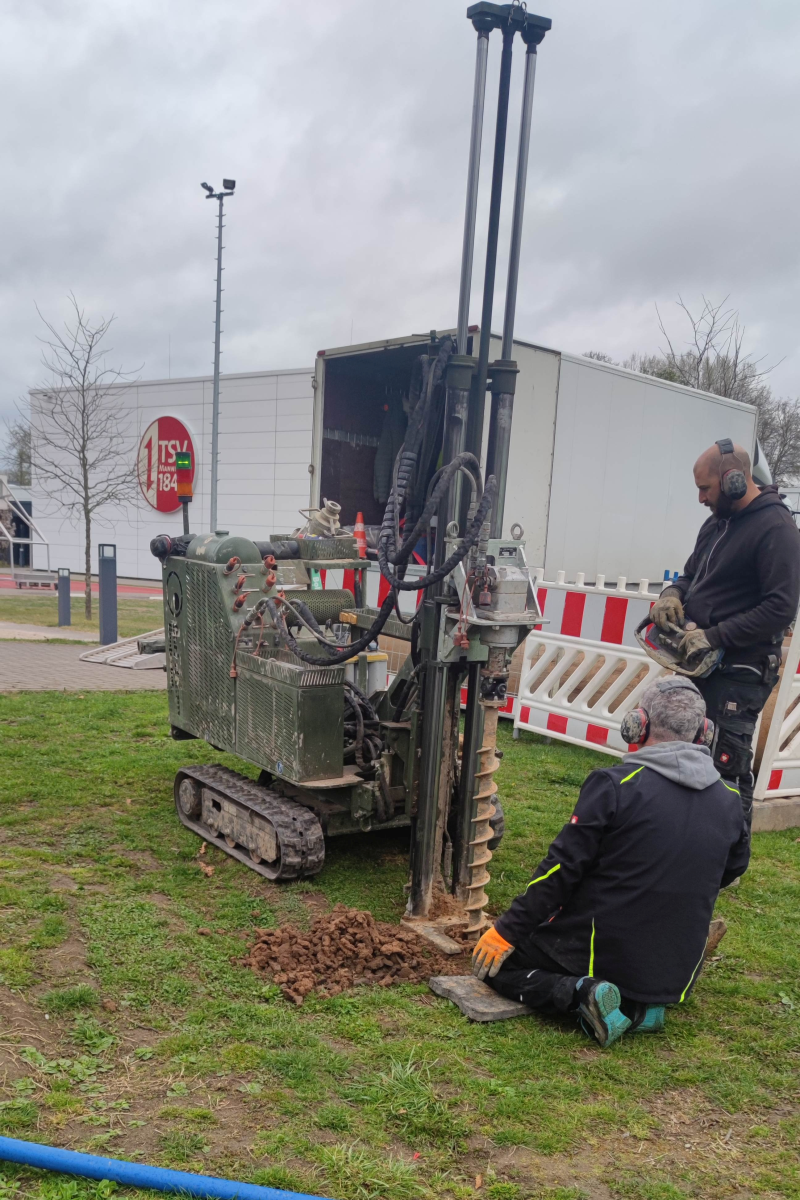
735,694
534,978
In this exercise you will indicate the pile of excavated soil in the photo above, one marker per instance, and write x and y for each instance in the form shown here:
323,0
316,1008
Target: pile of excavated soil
345,948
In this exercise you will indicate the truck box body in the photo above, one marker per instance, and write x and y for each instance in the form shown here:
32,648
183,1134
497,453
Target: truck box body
600,469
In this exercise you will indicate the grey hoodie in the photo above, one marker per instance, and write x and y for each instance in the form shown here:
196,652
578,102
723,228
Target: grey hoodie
682,762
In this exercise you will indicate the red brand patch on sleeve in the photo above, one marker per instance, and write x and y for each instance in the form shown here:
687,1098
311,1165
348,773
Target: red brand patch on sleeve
573,819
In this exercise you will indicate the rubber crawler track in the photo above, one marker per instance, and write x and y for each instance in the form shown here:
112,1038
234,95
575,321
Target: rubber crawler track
299,833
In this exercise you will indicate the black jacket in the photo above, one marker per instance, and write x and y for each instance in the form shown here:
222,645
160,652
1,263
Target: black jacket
742,581
627,889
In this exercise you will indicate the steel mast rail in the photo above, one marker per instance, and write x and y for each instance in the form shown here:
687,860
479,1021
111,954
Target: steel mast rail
496,631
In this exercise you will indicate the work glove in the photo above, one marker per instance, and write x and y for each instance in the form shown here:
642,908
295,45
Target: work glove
694,644
667,612
490,952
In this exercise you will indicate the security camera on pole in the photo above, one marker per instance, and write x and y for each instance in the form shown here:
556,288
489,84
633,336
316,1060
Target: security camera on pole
228,186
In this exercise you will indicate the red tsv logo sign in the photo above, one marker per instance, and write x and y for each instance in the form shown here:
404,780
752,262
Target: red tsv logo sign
156,463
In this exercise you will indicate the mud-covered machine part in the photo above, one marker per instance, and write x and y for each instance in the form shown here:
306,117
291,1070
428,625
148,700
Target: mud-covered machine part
272,834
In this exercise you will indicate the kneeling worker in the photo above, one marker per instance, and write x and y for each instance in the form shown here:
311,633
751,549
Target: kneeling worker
613,925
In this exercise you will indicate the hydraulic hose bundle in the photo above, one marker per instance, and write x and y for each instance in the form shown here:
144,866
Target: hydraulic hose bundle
394,555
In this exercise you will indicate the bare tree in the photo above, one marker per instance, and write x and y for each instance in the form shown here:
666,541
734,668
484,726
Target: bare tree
17,456
779,435
80,451
713,359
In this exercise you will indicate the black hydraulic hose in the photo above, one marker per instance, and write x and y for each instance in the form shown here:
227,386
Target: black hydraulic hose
470,539
388,552
462,462
335,657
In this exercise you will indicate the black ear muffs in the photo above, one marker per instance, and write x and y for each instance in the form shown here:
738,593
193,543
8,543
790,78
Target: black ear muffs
635,727
732,481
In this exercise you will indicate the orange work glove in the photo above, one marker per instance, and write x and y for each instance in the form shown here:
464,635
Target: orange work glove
490,952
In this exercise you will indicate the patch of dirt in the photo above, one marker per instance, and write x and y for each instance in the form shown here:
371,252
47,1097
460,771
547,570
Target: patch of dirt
62,883
687,1137
342,949
67,959
140,858
316,903
22,1025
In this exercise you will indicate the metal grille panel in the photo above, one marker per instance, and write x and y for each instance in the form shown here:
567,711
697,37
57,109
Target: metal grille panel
210,651
268,725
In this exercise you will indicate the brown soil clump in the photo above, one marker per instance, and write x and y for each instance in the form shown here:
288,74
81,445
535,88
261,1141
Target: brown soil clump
342,949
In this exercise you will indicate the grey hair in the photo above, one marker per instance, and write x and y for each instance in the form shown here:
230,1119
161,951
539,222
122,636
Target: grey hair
675,708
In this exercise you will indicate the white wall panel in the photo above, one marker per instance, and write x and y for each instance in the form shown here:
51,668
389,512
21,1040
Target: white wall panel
623,500
250,407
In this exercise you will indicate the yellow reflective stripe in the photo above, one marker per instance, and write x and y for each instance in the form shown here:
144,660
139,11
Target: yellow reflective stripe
591,945
636,772
557,867
694,972
728,786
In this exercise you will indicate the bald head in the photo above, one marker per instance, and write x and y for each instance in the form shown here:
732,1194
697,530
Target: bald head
711,461
708,472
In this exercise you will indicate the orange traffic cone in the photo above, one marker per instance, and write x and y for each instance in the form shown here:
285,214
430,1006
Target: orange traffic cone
360,535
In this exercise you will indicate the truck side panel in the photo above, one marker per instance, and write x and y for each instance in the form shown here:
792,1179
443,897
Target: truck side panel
623,500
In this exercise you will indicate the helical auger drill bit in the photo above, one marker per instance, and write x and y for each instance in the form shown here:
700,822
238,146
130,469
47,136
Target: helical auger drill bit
482,834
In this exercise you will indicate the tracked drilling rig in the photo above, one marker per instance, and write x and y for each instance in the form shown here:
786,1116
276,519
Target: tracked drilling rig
266,666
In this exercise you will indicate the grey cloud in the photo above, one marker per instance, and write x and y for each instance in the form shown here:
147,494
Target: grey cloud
664,160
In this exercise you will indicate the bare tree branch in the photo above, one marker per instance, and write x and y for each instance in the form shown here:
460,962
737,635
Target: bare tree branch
714,360
81,454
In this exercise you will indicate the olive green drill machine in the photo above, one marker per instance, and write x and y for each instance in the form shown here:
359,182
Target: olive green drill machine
263,665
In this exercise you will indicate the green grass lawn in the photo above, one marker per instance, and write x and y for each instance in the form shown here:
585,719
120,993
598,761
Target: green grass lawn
125,1031
135,614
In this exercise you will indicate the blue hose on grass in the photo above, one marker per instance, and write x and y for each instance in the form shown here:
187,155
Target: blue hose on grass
93,1166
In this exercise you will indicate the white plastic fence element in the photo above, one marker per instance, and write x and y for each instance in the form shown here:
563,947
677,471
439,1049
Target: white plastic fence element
126,654
572,692
11,509
584,670
779,773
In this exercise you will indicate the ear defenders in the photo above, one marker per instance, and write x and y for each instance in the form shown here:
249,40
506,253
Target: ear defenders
635,728
732,481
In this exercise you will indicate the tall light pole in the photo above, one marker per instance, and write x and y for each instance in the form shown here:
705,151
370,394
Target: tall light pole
228,186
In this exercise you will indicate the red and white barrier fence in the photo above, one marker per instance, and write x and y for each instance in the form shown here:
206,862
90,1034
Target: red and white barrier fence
779,773
584,669
578,665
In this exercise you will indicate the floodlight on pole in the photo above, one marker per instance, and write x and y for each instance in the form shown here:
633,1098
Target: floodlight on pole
228,186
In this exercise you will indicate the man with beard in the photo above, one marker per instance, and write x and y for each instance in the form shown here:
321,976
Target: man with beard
738,592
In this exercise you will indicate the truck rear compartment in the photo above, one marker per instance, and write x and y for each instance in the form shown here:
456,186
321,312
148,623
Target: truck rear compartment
363,424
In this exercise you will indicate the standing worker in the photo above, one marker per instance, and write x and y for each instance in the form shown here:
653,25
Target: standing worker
738,593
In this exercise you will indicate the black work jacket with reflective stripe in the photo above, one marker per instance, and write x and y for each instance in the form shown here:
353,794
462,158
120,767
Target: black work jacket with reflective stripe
627,889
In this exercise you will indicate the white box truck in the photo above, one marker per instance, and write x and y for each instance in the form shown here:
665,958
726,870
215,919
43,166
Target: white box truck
600,471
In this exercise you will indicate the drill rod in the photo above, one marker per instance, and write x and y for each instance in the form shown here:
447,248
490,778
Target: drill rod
473,173
475,428
519,203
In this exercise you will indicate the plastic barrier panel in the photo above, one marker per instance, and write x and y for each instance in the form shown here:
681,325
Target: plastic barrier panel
584,670
578,690
779,773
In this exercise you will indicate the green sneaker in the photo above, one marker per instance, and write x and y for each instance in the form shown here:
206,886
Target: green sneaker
601,1014
650,1019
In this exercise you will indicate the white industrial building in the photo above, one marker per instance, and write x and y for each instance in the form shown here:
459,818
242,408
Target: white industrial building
264,442
600,468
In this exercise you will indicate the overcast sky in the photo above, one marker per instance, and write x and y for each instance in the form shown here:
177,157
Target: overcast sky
664,161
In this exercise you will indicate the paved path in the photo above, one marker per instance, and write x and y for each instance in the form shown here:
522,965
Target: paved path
37,667
44,633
